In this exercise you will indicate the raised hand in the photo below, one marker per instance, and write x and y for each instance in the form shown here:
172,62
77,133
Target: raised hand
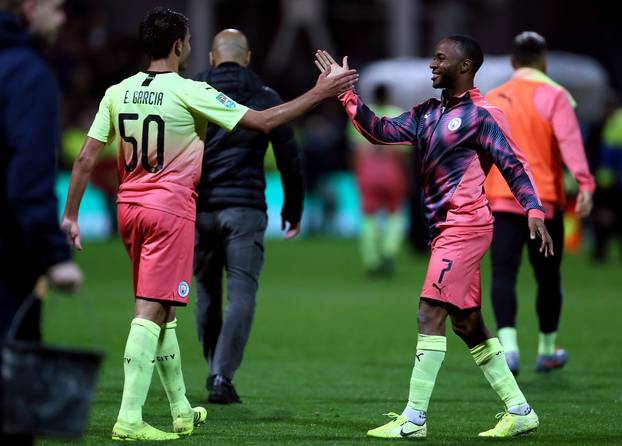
324,61
536,226
334,79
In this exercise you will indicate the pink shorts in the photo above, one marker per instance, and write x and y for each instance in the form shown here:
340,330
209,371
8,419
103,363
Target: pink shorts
161,248
453,272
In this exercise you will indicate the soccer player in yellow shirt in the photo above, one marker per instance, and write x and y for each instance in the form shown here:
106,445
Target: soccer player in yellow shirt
157,119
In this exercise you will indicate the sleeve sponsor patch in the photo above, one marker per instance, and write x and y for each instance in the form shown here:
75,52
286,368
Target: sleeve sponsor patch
224,100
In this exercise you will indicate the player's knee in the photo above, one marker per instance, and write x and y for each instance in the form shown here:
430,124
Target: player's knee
151,310
463,329
459,330
430,323
472,333
245,306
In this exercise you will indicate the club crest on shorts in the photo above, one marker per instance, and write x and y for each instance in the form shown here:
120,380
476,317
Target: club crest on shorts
454,124
183,289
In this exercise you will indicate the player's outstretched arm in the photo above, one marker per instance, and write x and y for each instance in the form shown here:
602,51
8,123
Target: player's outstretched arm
80,174
399,130
327,86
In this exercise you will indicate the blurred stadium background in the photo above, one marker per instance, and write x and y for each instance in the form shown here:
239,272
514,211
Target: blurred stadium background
332,350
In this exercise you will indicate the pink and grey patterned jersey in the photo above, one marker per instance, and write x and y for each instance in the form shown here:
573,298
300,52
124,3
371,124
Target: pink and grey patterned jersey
454,149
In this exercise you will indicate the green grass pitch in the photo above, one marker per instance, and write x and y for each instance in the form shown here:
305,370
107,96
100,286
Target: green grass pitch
331,351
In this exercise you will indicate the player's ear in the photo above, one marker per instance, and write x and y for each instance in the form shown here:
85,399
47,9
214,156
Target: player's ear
178,47
212,62
247,61
466,65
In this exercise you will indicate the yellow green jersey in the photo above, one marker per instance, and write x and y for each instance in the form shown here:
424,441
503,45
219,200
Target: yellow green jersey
157,121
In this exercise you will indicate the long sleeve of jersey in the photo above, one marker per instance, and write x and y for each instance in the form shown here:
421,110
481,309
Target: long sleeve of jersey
566,128
494,138
399,130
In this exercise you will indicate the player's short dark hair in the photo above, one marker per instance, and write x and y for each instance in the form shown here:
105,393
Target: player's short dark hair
470,49
528,48
159,30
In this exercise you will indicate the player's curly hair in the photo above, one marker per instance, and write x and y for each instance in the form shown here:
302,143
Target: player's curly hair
160,29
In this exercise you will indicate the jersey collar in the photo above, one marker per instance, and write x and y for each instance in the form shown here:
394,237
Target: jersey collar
155,72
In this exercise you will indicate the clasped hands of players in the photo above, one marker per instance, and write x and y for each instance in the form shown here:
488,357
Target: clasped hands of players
329,67
336,80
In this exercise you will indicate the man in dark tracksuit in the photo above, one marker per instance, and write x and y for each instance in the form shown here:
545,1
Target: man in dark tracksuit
231,213
31,243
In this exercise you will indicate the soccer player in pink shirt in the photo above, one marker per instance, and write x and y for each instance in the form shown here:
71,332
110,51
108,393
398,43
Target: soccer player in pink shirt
456,140
158,119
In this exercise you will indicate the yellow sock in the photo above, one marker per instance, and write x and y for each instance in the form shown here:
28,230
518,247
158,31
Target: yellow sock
168,364
138,363
429,358
490,358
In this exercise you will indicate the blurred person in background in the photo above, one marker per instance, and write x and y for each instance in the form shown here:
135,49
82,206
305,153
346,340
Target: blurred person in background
231,213
380,173
543,123
321,138
607,215
31,242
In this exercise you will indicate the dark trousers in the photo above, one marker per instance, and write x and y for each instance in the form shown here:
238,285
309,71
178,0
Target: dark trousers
230,240
511,233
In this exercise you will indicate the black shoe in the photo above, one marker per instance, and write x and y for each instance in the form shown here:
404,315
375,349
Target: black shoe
210,382
222,391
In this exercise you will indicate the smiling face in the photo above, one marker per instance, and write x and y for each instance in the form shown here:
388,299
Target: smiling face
447,64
